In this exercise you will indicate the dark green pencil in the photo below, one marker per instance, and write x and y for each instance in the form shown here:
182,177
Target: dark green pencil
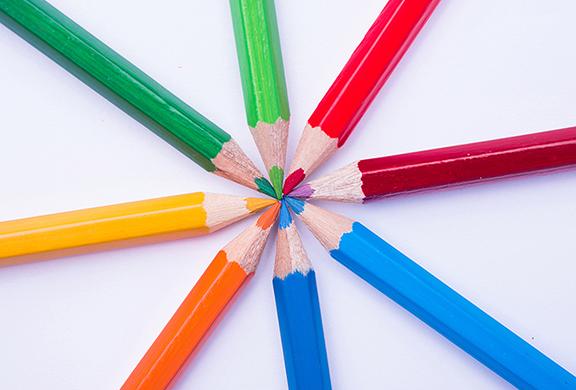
132,90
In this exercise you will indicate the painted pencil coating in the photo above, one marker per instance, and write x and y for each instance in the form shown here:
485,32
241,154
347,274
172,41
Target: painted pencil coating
358,84
443,167
425,296
298,310
221,281
370,66
122,224
301,331
129,88
199,312
260,60
263,82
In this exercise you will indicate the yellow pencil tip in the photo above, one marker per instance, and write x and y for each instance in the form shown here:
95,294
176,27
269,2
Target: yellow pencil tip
255,204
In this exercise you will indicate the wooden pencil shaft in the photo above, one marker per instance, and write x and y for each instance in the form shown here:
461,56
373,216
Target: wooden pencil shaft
182,126
468,163
260,60
173,216
463,323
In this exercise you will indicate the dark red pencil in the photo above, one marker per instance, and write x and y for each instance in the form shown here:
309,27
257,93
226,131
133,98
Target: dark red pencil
357,84
384,176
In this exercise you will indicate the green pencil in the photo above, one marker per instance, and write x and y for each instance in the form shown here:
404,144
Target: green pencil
263,82
132,90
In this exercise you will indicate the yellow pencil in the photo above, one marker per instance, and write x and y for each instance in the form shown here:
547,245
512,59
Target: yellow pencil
121,225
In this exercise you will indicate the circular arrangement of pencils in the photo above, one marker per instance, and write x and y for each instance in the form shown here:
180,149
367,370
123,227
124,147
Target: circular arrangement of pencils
291,195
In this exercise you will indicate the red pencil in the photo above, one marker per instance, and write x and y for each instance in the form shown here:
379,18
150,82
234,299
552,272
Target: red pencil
357,84
384,176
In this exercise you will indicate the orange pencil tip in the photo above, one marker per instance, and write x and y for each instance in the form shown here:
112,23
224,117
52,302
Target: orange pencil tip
269,217
255,204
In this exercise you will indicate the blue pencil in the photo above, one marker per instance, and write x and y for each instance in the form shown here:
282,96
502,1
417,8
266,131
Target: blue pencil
298,311
425,296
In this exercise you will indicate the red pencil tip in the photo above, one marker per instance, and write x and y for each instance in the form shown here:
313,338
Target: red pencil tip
293,180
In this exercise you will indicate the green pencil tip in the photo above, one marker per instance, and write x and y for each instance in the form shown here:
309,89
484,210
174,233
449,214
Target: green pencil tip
265,187
277,178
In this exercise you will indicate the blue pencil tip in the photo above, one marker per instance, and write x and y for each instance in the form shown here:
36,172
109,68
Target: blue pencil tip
297,205
285,218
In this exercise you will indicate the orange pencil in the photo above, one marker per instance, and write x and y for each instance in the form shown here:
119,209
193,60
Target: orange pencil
223,278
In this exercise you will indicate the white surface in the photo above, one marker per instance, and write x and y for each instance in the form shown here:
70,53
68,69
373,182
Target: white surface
479,70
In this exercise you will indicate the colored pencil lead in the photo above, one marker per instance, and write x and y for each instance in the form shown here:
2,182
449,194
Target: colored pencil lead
480,161
298,308
436,304
199,312
132,90
357,85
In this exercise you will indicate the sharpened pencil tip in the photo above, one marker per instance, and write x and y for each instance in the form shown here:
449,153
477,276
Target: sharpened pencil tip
296,205
265,187
276,175
285,219
269,216
293,180
255,204
304,191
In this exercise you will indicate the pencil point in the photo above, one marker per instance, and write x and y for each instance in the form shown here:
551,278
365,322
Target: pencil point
255,204
265,187
305,191
296,205
293,180
267,219
285,218
277,177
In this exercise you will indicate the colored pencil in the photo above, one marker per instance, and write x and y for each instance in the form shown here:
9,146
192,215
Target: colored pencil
384,176
221,281
263,82
358,84
298,310
132,90
123,224
425,296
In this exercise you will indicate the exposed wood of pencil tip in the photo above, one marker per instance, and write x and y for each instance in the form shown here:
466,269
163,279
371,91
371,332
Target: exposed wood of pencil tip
313,148
223,210
247,247
271,140
291,256
326,226
344,184
233,164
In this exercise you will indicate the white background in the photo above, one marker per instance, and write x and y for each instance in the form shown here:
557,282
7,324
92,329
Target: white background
479,70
